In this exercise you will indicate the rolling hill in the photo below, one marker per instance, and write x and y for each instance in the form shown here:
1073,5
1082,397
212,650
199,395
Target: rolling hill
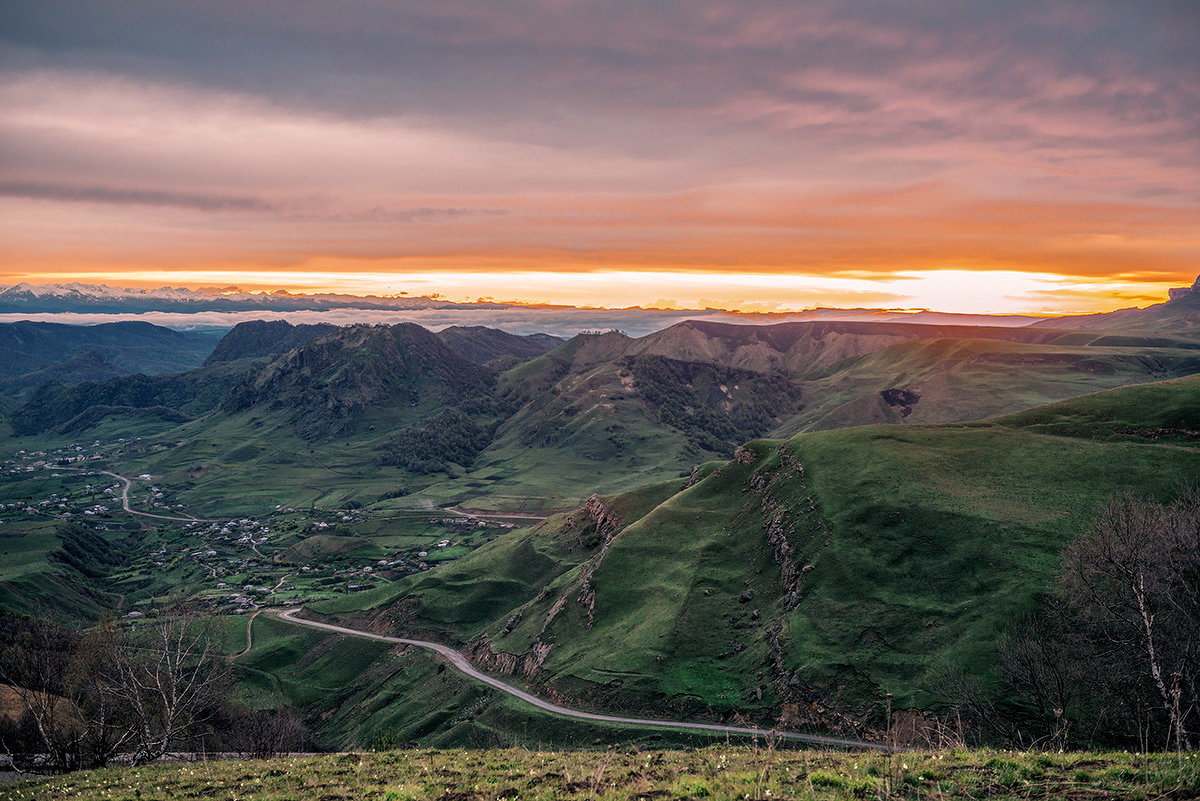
495,348
606,412
126,347
804,579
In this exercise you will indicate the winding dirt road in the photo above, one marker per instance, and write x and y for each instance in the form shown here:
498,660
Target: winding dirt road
125,502
461,664
249,634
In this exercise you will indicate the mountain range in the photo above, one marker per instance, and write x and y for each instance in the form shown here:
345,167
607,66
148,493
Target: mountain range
79,297
479,416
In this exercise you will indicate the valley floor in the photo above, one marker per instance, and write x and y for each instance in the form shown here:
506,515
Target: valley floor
719,772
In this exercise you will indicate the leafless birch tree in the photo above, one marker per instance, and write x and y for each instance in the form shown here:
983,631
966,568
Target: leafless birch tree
170,679
1132,584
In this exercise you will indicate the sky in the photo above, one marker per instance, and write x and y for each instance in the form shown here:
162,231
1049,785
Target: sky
982,157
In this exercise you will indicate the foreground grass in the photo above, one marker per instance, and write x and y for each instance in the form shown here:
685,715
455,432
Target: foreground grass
716,773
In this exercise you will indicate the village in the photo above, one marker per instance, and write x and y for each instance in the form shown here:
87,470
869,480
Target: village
287,555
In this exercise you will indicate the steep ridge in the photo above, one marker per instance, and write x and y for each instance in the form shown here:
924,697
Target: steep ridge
258,338
803,580
799,347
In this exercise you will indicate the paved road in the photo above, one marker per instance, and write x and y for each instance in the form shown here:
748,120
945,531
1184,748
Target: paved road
482,515
459,662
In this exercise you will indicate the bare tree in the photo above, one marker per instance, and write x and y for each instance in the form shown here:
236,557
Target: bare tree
262,733
170,679
35,664
1133,585
108,721
1040,659
962,696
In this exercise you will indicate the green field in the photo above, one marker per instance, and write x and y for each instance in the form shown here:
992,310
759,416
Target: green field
721,773
354,692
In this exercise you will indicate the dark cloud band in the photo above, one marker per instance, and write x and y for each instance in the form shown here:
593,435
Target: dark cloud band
137,197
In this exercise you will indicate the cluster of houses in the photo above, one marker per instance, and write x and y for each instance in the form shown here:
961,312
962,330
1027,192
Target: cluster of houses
468,522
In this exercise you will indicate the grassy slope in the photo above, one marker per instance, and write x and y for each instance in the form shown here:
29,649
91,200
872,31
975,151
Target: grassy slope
722,773
31,583
352,691
971,379
924,543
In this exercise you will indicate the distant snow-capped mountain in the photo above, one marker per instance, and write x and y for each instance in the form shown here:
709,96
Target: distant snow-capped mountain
79,297
30,299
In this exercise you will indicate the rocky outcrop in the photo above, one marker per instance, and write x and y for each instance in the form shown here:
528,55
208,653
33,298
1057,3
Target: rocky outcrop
692,480
594,516
608,525
795,533
525,665
901,399
780,522
744,456
553,613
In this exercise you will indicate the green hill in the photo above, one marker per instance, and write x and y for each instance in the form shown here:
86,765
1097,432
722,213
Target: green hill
804,579
131,347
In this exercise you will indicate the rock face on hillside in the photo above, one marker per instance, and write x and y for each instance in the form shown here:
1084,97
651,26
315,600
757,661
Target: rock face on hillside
264,338
325,384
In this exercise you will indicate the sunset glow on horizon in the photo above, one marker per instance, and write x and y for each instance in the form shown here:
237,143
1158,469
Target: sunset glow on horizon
979,158
956,291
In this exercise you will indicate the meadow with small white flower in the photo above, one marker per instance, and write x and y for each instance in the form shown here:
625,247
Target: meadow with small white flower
721,773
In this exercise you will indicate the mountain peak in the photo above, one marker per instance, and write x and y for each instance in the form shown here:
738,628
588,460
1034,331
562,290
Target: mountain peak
331,379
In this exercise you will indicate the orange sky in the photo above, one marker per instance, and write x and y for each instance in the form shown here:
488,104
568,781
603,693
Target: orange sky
959,157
